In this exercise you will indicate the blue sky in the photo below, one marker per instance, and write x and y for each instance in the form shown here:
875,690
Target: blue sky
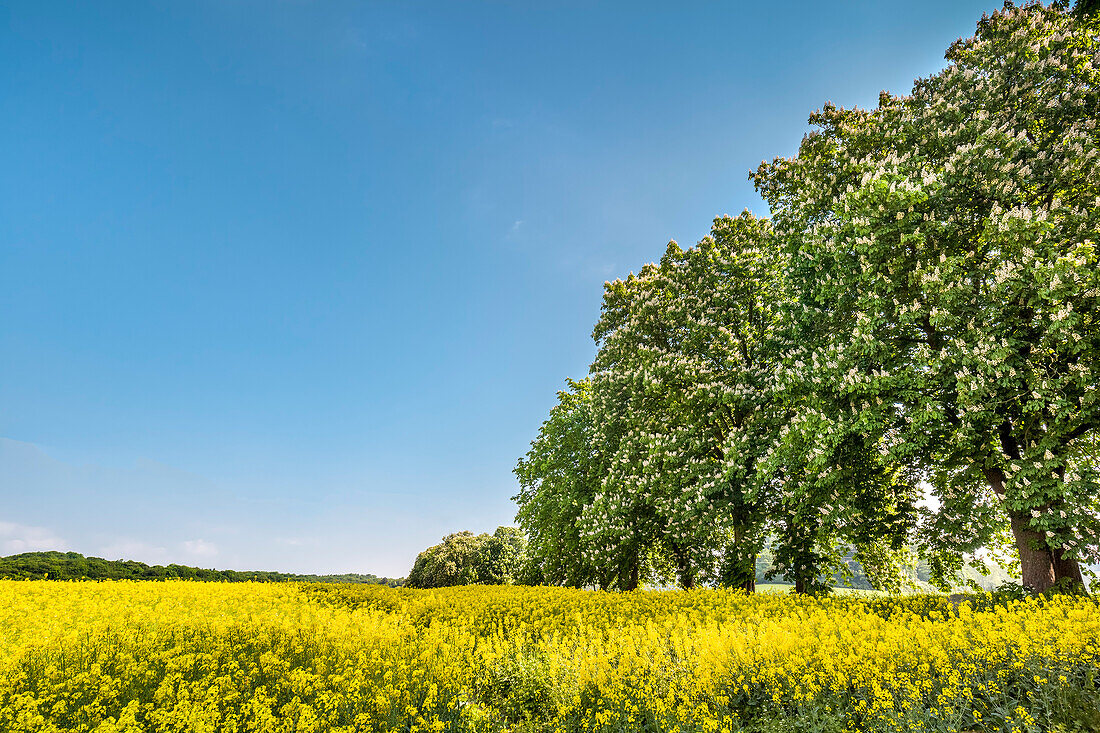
291,285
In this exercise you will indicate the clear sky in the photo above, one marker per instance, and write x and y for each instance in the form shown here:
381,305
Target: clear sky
291,285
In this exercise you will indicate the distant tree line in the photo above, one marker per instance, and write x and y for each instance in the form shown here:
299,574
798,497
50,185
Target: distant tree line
74,566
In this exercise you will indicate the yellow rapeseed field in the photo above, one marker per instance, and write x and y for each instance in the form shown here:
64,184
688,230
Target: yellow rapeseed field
181,656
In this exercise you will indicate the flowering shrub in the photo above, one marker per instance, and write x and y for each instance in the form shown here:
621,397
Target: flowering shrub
176,656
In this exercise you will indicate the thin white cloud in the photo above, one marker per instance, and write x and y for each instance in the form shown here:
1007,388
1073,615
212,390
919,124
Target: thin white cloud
200,548
515,233
17,538
124,548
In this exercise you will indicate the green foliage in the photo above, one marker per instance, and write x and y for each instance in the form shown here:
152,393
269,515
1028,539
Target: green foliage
678,385
1085,8
559,478
464,558
922,307
941,251
649,470
74,566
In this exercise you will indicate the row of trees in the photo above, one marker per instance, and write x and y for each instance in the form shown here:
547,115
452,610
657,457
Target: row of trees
501,558
918,316
56,565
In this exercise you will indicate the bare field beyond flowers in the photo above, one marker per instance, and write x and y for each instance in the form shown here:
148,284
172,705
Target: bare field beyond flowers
181,656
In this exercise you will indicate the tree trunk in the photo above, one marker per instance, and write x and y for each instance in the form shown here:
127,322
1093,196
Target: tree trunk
1041,566
630,582
683,567
1067,568
1036,562
800,586
743,573
749,586
687,579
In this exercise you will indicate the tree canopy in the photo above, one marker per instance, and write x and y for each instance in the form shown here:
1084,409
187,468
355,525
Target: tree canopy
921,308
464,558
651,469
943,259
